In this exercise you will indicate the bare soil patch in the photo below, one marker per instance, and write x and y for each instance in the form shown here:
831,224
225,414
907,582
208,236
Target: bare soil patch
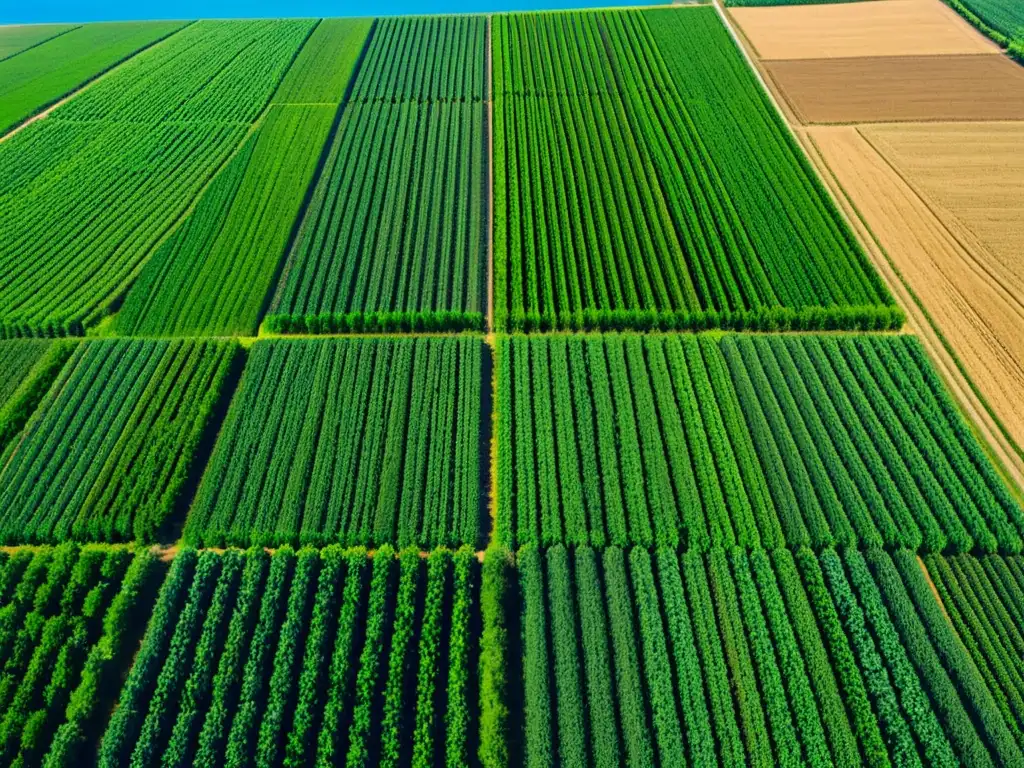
883,28
901,88
978,317
972,175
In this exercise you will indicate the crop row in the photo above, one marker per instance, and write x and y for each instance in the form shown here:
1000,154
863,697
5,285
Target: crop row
324,657
215,274
90,191
394,235
29,368
17,38
39,76
113,442
569,657
68,619
764,659
624,199
323,68
755,441
210,72
362,441
424,59
984,598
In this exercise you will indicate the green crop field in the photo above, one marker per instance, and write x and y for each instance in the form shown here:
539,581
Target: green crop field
118,165
43,73
68,619
482,390
984,598
624,196
840,658
111,445
749,441
29,368
14,40
394,238
370,441
312,658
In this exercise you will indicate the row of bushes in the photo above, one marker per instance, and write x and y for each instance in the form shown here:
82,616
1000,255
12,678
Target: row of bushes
375,322
862,318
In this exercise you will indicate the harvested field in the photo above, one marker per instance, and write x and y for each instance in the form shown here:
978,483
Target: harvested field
973,178
977,317
885,28
902,88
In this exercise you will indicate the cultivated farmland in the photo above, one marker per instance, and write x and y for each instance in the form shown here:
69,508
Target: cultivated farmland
984,598
902,88
112,444
14,40
29,367
621,151
973,312
68,619
213,275
508,389
44,73
844,30
324,657
394,234
749,441
116,166
364,441
767,659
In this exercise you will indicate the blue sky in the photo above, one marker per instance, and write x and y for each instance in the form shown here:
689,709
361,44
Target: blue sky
33,11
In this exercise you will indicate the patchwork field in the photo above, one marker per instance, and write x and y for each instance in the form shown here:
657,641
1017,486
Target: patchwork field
844,30
901,88
329,475
88,192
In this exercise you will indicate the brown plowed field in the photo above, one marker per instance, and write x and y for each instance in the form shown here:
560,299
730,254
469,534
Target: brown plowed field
973,175
980,319
883,28
902,88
